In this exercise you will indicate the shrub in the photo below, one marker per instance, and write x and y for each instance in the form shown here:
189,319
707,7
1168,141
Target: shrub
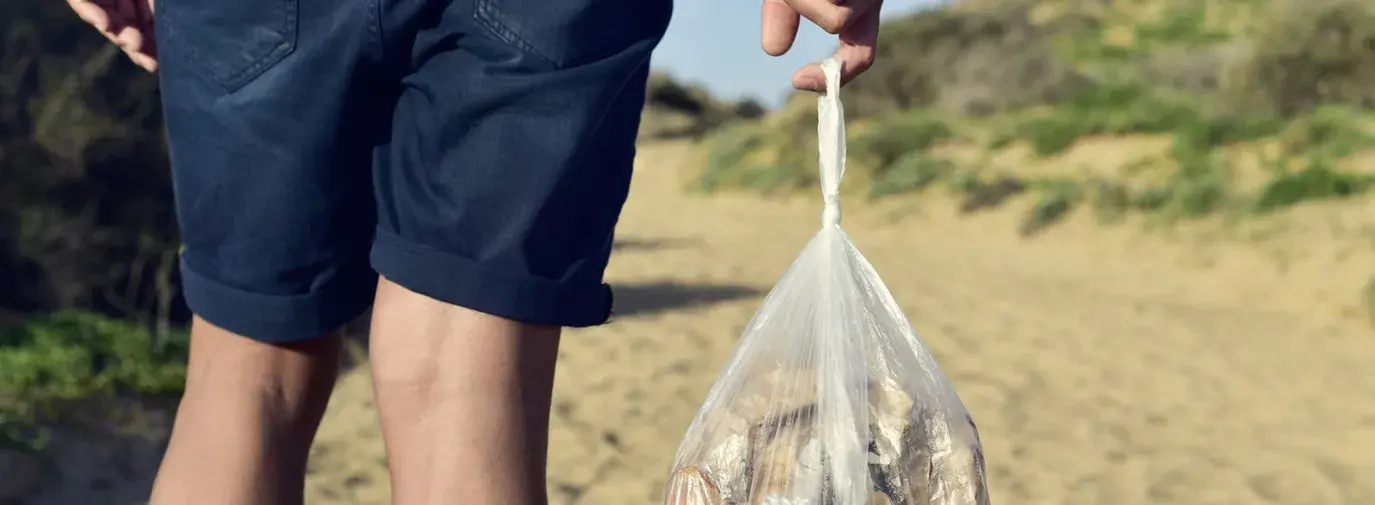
666,92
1104,108
1110,200
913,172
1206,132
1317,180
1052,134
981,195
1057,198
1309,53
1183,25
85,195
1148,114
887,140
1200,184
679,109
67,357
1194,71
1329,131
729,149
1121,109
749,109
962,61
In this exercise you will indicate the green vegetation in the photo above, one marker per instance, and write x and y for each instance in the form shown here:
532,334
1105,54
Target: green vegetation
911,172
1056,198
1185,24
1316,181
1045,76
51,363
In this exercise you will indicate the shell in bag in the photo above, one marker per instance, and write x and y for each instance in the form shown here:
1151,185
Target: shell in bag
830,398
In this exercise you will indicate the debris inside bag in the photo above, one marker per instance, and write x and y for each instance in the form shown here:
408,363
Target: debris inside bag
769,452
690,486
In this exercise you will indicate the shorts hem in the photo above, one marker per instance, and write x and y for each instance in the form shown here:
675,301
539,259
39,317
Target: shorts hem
279,319
463,282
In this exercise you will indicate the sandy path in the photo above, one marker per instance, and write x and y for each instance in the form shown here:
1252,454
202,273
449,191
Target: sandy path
1106,366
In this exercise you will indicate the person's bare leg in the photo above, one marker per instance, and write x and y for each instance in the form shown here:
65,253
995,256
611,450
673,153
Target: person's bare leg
244,428
464,400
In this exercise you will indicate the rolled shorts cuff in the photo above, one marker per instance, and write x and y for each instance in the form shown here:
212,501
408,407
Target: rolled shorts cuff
516,296
279,319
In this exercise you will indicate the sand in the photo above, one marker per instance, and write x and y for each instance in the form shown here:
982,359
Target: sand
1105,365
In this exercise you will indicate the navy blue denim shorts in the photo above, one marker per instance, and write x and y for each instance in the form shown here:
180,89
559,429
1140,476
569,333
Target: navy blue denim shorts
477,152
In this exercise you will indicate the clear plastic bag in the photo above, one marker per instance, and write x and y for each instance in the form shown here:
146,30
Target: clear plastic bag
830,397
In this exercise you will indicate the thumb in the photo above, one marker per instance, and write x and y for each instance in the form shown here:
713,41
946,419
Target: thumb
779,28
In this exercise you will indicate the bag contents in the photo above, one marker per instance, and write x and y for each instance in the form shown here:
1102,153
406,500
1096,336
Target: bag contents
830,398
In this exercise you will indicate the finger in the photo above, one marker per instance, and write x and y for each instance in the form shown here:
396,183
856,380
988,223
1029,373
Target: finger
129,39
858,45
139,47
832,15
810,78
779,28
92,14
853,61
144,61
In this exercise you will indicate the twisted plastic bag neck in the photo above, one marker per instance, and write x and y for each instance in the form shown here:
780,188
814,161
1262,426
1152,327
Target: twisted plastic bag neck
830,212
831,142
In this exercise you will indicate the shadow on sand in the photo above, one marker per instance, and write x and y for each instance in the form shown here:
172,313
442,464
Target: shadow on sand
89,462
652,298
634,244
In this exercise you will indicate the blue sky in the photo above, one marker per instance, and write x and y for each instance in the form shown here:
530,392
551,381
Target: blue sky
715,43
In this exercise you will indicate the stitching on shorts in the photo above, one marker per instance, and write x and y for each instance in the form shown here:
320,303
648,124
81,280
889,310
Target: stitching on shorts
290,31
377,33
488,16
237,79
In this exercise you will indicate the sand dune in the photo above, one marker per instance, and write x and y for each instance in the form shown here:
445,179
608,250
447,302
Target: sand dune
1105,365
